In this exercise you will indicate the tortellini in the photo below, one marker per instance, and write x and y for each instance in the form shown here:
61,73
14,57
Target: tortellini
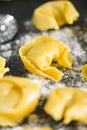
39,54
3,70
38,128
67,103
84,71
18,98
53,14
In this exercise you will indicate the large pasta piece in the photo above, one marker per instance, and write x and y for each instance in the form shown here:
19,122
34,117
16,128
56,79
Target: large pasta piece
18,98
84,71
3,70
53,14
67,103
39,54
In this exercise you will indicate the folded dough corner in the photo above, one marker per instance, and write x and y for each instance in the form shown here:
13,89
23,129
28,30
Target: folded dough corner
3,70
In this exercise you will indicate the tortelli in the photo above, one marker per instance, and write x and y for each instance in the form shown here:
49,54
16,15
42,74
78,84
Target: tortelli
38,128
84,70
3,70
51,15
39,55
18,98
67,103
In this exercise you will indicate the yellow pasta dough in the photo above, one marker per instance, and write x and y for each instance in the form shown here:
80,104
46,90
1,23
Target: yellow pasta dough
38,128
18,98
53,14
84,71
67,103
39,54
3,70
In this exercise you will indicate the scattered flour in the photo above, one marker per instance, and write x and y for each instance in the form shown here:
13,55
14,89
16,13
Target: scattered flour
76,38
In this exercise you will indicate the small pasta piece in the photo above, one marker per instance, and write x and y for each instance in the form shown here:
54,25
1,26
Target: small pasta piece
3,70
38,128
67,103
39,54
51,15
84,71
18,98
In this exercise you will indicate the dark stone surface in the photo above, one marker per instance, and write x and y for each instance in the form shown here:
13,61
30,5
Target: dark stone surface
22,10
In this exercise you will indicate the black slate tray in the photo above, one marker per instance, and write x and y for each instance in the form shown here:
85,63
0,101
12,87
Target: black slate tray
75,36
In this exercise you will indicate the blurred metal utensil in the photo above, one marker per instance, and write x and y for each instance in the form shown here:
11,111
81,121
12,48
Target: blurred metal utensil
8,27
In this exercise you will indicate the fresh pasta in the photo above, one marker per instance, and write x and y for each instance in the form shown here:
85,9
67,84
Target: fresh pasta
18,98
84,71
52,15
3,70
39,54
67,103
38,128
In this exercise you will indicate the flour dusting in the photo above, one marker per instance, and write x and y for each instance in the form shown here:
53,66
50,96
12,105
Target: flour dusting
76,38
